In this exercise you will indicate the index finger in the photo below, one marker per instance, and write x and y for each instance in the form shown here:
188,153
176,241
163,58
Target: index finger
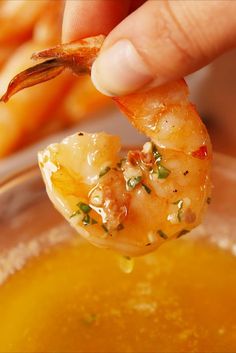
86,18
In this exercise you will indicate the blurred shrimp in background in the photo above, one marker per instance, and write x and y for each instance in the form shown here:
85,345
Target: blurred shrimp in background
17,20
26,27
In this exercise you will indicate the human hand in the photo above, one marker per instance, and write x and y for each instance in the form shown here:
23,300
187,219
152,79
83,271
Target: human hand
153,42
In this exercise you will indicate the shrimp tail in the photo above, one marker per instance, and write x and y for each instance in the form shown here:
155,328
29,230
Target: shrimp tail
78,56
30,77
84,48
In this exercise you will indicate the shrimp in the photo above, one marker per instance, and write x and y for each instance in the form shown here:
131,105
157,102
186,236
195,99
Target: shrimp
17,19
30,110
131,203
82,101
60,103
16,123
25,16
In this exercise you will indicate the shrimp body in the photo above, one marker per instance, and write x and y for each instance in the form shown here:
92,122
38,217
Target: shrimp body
58,103
17,19
136,202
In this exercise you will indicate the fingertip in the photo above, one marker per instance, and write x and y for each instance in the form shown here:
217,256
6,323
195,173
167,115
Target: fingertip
95,78
120,70
70,21
90,18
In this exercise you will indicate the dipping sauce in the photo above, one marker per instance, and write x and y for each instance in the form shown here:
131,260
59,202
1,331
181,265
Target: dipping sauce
76,298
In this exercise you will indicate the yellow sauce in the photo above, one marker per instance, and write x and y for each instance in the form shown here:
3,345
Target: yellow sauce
76,298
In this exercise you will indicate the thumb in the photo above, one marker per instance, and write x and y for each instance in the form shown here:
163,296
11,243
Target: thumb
163,41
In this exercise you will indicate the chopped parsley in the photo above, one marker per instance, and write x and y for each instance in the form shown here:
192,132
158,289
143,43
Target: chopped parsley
104,171
162,172
75,213
88,220
84,207
156,154
146,188
179,203
132,182
162,234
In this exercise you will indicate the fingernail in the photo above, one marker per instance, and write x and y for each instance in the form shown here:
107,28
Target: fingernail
120,70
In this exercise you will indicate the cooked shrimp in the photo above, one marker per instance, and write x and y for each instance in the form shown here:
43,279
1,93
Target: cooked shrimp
26,113
17,19
83,100
53,106
29,110
47,28
26,18
135,203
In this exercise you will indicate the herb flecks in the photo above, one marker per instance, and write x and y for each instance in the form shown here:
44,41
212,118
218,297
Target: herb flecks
133,182
162,234
84,207
182,232
104,171
75,213
157,156
88,220
208,200
146,188
179,204
162,172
